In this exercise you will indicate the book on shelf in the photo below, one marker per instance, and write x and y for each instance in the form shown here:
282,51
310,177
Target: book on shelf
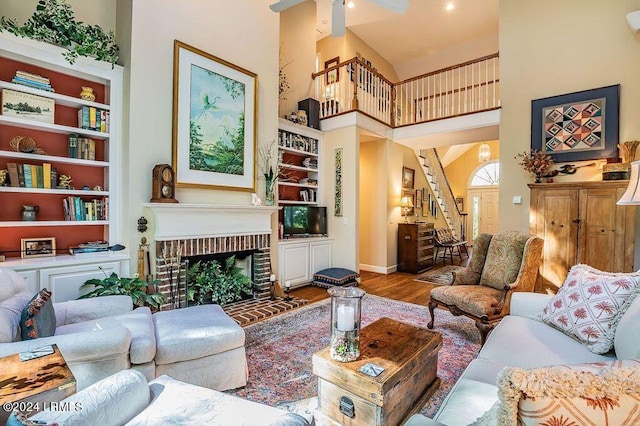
21,178
33,77
54,177
27,176
90,247
73,145
103,121
91,118
39,176
13,174
46,175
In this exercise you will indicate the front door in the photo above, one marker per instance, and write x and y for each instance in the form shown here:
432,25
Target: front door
483,211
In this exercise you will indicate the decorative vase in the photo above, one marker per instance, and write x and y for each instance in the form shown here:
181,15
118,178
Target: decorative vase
87,94
269,199
29,213
345,323
538,178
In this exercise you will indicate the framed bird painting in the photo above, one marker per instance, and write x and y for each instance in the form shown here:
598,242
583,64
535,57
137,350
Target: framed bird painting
214,121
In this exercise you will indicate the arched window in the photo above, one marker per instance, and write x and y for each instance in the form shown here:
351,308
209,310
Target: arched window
487,175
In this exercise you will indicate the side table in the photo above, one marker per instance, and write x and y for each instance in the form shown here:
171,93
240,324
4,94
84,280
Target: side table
409,356
34,385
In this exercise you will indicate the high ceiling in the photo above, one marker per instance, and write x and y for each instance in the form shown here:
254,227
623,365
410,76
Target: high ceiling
426,29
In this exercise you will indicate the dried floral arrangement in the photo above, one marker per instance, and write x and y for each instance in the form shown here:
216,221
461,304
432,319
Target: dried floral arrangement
536,162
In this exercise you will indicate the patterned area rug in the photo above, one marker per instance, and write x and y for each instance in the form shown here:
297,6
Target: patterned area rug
441,276
279,350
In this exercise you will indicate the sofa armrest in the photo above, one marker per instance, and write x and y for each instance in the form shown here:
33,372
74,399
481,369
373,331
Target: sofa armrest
528,305
112,401
79,310
79,348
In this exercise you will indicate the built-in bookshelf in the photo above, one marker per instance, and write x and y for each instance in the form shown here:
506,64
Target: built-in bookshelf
298,164
94,166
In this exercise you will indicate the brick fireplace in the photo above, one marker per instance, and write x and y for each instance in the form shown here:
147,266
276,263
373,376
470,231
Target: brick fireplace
184,230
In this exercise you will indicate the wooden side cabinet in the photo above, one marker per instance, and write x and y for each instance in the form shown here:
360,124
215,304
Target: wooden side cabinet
580,222
416,247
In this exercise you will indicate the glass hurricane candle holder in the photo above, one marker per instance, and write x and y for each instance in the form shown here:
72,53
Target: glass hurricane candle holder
345,323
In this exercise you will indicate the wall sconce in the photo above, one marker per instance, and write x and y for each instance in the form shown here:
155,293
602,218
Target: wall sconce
406,203
484,152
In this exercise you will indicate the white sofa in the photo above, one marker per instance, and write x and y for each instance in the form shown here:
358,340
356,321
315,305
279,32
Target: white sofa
522,341
100,336
126,398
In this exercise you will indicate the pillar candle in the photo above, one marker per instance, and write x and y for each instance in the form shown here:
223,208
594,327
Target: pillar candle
346,318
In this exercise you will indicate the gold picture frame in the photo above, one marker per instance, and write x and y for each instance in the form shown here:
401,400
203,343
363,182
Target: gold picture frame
214,121
37,247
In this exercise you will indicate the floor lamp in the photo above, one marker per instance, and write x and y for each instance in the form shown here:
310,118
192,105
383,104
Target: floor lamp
406,203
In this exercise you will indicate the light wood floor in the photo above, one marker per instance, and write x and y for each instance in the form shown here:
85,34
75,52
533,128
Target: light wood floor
398,286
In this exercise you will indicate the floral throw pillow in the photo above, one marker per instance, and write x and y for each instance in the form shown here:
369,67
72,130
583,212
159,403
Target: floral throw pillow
589,305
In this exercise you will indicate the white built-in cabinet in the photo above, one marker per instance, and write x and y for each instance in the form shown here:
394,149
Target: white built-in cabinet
99,178
300,258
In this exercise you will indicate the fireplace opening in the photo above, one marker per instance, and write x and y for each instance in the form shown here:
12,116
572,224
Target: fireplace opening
220,278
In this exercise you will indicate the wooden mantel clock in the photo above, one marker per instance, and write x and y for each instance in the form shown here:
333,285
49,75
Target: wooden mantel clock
164,184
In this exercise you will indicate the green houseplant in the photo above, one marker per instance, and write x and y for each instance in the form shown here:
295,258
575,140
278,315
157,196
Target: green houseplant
216,282
53,22
113,285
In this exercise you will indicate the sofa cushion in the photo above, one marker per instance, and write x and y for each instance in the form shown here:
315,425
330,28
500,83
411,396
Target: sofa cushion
38,318
597,393
627,338
139,322
194,332
179,403
504,258
527,343
589,305
472,299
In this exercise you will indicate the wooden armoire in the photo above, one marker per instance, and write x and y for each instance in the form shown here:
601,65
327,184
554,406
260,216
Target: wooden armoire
581,223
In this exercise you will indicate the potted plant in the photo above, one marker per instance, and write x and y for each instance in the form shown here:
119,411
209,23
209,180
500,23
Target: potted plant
217,282
53,22
141,292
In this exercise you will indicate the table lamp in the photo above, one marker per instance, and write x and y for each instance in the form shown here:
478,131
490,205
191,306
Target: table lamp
631,196
406,203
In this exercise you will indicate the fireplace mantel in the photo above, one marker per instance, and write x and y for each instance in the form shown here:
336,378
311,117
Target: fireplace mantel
184,221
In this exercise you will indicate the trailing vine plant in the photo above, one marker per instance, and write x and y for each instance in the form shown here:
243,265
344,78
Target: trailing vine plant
53,22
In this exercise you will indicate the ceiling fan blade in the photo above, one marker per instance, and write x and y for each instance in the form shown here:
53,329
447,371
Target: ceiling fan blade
284,4
337,18
398,6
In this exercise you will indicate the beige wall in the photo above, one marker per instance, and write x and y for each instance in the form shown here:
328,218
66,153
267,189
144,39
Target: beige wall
298,53
550,48
460,170
343,229
346,48
94,12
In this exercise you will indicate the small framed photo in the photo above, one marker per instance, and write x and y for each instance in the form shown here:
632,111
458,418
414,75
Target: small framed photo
332,76
425,195
38,247
408,176
419,199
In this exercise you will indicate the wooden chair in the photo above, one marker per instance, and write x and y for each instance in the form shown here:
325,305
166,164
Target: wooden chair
449,245
500,264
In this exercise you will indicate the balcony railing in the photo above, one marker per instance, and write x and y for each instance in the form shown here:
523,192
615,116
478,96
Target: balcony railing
352,85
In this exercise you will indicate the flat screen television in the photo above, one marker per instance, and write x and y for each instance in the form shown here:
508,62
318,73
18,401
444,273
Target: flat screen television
304,220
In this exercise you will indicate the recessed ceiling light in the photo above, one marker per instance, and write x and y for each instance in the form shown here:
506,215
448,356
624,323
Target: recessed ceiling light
450,6
351,5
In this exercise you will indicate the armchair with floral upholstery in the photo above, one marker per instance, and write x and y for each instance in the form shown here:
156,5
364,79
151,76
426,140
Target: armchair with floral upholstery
500,264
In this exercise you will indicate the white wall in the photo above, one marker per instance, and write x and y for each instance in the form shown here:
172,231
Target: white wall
243,32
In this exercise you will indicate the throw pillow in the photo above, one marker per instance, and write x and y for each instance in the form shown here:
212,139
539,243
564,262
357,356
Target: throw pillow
38,318
596,393
504,258
335,276
589,305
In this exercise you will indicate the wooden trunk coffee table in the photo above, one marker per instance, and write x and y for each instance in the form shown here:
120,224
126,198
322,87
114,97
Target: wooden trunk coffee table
34,385
409,356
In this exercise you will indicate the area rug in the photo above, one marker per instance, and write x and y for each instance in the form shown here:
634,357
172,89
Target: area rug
279,350
441,276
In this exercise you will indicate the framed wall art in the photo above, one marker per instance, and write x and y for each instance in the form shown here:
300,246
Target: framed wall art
214,121
418,202
38,247
408,176
332,76
577,126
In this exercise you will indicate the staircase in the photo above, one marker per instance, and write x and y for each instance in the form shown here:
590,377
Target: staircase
433,170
